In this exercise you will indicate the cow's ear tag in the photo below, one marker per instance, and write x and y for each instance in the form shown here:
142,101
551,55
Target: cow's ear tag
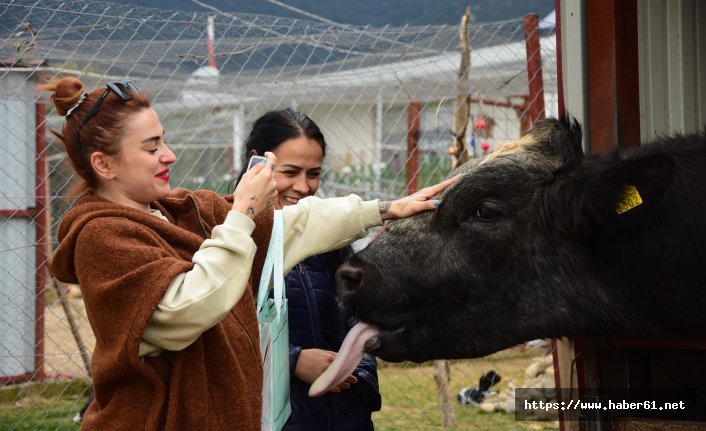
630,199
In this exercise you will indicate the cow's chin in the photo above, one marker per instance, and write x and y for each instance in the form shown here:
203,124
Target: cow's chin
400,337
389,345
405,343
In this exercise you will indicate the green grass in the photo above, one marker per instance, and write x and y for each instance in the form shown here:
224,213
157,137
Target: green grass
410,400
44,414
48,405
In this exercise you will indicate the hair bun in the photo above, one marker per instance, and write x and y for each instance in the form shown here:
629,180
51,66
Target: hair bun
67,93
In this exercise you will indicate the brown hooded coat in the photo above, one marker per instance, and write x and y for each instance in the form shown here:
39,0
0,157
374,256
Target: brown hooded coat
124,260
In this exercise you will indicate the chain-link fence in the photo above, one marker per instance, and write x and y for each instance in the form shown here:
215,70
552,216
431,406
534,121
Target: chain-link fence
360,84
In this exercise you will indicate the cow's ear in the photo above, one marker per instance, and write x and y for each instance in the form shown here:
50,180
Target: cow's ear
566,142
617,193
560,139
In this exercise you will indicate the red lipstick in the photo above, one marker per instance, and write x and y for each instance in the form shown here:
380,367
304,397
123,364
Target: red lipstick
164,175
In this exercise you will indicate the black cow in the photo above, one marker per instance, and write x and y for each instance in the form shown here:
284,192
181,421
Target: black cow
539,241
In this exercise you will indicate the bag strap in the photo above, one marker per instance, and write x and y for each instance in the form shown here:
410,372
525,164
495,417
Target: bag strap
278,276
274,261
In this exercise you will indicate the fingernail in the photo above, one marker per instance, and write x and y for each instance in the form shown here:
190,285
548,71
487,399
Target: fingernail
436,203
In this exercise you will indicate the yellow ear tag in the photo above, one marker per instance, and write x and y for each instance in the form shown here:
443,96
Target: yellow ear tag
631,199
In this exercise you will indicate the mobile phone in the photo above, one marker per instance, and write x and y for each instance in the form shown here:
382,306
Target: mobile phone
254,160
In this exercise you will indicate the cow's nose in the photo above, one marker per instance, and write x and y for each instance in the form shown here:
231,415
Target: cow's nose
348,277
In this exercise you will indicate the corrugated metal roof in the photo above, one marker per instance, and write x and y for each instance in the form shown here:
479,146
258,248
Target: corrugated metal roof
496,71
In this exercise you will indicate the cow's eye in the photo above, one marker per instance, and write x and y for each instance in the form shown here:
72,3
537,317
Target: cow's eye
485,213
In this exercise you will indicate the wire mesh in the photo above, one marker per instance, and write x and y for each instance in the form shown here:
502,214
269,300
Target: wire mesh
356,82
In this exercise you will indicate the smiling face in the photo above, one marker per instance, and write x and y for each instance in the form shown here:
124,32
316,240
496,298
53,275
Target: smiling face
298,171
139,174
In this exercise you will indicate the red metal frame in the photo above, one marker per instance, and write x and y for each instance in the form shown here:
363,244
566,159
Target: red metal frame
40,216
535,101
43,235
532,108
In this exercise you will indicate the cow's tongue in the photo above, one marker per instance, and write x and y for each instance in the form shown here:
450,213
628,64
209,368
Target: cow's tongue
347,359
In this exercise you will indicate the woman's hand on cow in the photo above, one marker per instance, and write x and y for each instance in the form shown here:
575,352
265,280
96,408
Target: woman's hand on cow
423,200
313,362
256,190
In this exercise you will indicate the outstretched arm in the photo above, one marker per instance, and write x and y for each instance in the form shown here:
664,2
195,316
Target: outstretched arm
422,200
316,225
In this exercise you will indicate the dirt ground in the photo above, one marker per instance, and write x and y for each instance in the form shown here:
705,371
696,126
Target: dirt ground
62,356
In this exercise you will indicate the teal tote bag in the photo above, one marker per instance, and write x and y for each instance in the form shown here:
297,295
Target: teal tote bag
274,333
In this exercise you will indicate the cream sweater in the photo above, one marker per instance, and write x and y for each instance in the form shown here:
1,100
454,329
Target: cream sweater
198,299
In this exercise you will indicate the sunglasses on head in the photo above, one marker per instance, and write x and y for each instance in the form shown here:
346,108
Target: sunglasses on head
121,89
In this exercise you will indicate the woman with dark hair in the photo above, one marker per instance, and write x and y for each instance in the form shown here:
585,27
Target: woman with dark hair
167,275
316,327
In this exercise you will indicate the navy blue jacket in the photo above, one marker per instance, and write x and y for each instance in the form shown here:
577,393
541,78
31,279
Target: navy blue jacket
316,322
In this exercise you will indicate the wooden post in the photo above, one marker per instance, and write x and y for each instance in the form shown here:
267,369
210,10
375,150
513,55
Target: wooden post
563,355
462,109
414,112
442,376
459,155
83,350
